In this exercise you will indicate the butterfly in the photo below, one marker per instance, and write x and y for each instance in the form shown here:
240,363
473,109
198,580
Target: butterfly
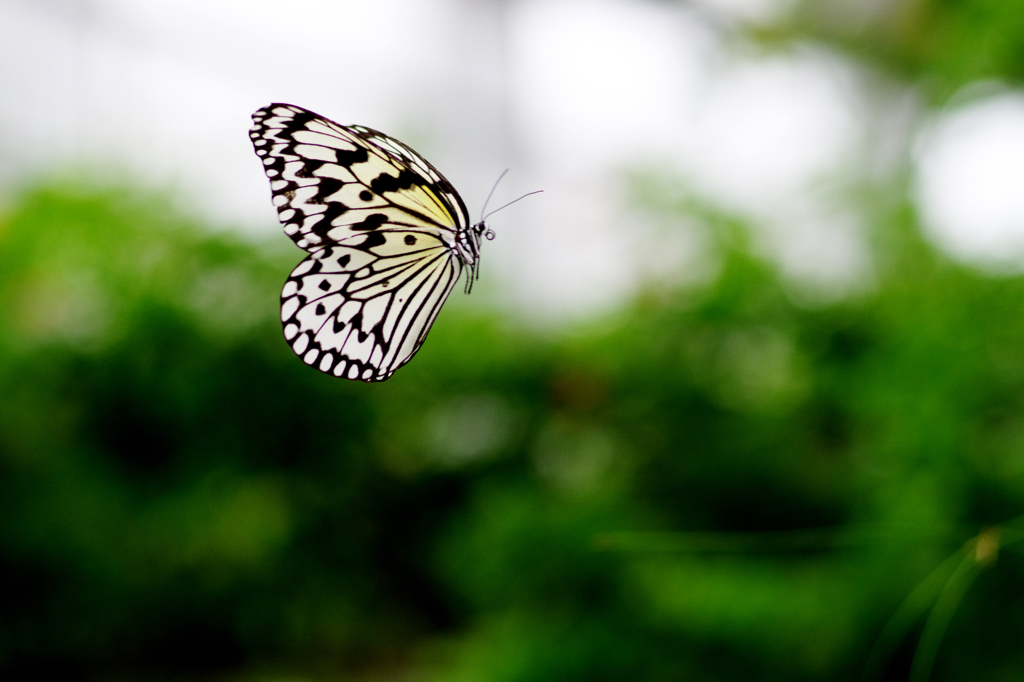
387,235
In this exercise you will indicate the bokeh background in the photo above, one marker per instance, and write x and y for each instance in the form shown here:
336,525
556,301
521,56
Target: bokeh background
740,396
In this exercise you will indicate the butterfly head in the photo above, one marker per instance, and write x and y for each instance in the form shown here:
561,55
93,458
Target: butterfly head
467,242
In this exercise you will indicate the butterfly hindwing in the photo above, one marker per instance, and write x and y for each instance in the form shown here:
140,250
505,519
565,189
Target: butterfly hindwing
361,310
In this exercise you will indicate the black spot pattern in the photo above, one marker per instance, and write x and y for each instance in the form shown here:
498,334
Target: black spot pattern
389,183
337,303
327,187
371,222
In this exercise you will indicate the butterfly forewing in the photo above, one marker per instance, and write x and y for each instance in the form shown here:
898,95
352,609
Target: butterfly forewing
380,224
331,181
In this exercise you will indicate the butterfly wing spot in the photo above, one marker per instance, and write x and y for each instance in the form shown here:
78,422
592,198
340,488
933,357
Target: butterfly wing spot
381,225
326,362
385,182
288,308
371,222
314,317
327,190
353,194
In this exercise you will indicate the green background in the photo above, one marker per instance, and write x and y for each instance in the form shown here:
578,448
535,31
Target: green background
716,482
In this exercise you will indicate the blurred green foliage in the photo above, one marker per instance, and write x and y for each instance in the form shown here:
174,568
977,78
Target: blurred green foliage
938,45
714,484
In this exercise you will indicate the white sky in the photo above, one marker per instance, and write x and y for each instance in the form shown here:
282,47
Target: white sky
569,94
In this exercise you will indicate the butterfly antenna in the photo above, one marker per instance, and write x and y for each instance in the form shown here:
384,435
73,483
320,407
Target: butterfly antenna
503,174
536,191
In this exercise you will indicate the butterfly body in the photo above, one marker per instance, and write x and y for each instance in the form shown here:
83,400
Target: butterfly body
387,235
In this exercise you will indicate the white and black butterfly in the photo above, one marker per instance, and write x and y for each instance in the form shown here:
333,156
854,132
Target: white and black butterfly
388,238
